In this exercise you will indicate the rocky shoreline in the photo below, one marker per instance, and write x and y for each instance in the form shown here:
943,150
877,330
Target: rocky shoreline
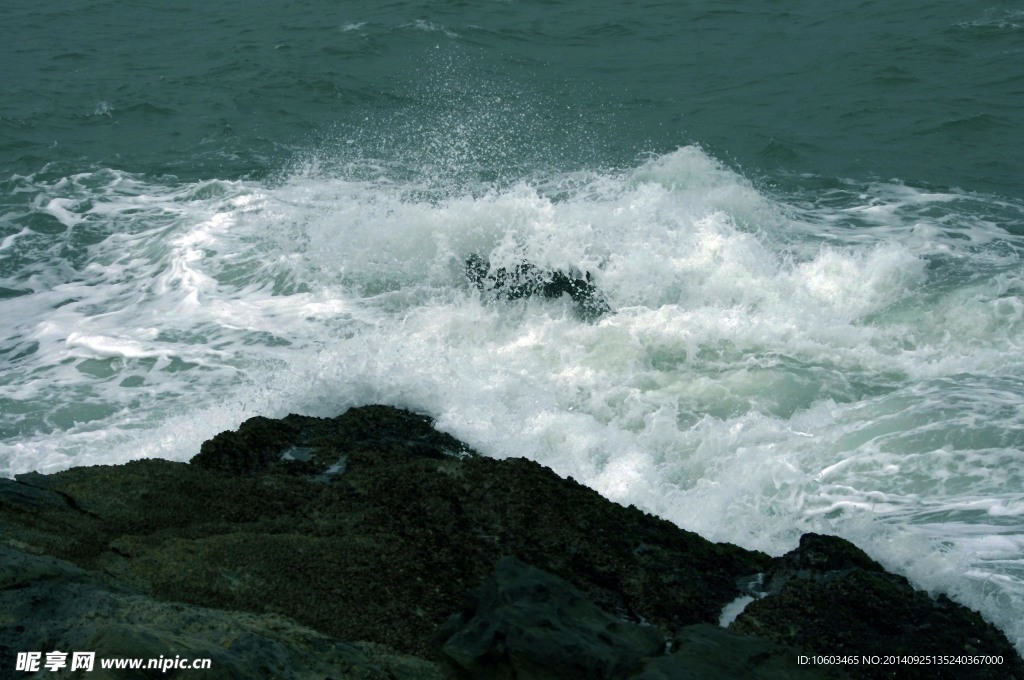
372,546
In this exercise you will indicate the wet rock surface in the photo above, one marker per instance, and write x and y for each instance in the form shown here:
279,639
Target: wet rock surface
282,540
526,280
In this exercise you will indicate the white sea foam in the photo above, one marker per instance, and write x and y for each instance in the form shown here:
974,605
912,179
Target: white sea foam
850,364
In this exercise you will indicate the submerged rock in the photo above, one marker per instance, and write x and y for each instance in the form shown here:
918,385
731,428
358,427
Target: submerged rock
373,528
528,280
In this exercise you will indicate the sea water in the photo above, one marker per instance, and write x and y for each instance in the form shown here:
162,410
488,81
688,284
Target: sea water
807,223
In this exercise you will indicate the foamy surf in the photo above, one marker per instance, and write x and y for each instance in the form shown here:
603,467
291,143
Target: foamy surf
847,362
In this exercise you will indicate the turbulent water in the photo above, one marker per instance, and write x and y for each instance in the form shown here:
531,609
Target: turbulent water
807,218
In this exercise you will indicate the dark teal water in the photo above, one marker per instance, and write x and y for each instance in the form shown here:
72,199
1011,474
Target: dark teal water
926,92
807,219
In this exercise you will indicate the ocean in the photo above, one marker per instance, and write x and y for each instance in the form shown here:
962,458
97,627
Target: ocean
807,220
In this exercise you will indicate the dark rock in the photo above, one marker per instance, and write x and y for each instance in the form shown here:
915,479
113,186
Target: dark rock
528,280
373,527
828,598
819,558
262,444
414,522
49,605
703,651
525,623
